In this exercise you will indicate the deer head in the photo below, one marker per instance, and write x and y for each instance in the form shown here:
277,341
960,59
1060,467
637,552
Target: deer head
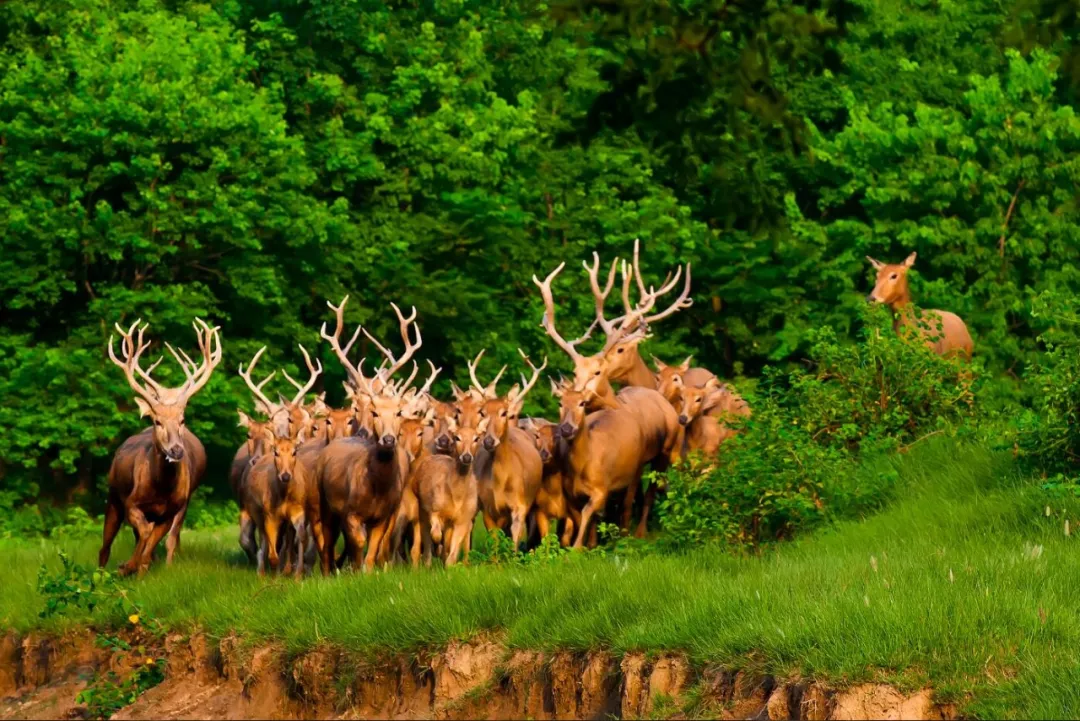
696,401
669,379
255,442
623,333
165,406
891,286
333,424
573,408
546,438
502,412
467,440
284,450
287,416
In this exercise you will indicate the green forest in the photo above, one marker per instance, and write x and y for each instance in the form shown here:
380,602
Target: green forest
246,162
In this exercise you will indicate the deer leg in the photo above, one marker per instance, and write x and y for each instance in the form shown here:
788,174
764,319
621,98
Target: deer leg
468,540
385,546
156,534
355,538
428,544
650,496
261,556
320,541
542,524
628,506
172,541
596,501
489,522
286,548
417,540
247,536
330,536
457,540
568,531
378,531
113,520
142,528
300,529
270,539
517,526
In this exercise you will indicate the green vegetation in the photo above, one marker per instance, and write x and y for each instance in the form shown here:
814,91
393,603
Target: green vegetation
248,161
965,582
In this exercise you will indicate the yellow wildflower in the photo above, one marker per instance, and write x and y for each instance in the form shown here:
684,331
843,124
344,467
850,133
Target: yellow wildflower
134,618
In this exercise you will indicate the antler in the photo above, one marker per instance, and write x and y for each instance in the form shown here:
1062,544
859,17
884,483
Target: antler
526,386
397,364
489,391
132,350
269,407
315,372
548,321
649,297
600,296
355,376
431,379
197,375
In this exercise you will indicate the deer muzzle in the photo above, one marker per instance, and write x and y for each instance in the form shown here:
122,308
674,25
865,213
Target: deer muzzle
489,443
545,455
443,442
683,420
388,441
567,430
466,458
174,453
286,477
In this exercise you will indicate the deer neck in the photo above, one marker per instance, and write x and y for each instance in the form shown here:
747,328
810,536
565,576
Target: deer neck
640,375
902,302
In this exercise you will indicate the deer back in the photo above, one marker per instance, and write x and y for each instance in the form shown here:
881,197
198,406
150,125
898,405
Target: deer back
607,452
659,421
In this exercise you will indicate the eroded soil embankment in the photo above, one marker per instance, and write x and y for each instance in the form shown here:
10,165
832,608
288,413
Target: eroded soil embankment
40,677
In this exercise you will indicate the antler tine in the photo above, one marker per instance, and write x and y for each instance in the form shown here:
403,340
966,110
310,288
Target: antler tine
403,386
312,369
526,385
256,389
650,296
132,350
491,390
335,341
209,339
548,321
431,379
397,364
365,386
472,370
600,296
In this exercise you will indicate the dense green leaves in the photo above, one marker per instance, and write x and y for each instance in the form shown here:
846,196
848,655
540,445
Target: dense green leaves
245,162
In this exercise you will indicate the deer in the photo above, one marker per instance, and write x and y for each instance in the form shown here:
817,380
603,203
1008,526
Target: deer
942,332
246,455
361,479
447,490
702,412
287,419
657,417
604,453
276,498
155,471
555,488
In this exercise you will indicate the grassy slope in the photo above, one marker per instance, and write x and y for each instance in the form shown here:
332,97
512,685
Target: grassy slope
958,598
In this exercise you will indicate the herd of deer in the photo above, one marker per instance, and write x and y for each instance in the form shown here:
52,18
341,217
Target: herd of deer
398,461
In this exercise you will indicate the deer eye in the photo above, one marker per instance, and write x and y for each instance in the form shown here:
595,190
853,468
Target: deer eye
457,439
596,373
374,414
157,423
581,405
620,350
892,277
329,422
504,414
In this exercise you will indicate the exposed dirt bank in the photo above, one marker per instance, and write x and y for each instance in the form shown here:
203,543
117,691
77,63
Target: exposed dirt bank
40,676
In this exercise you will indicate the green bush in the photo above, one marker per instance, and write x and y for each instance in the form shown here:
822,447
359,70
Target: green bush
1048,434
796,460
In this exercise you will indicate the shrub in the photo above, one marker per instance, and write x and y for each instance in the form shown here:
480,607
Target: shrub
793,463
1048,435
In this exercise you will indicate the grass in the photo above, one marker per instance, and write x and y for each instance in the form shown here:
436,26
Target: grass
964,583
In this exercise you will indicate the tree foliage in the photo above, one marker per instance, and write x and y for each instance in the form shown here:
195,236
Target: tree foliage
247,162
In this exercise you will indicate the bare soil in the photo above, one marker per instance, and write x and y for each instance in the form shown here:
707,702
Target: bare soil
224,679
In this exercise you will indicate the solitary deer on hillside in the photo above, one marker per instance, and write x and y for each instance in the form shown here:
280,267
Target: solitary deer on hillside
154,472
943,332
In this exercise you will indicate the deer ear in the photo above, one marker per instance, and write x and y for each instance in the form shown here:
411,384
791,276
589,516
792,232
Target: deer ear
301,436
660,365
268,434
685,365
320,408
556,389
349,390
457,392
878,265
144,407
910,260
713,384
245,421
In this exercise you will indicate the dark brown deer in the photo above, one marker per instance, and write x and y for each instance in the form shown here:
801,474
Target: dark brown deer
510,481
361,480
942,332
154,473
555,487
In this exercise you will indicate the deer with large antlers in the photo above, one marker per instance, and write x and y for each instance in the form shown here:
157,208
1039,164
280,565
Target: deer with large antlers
511,479
663,437
154,473
361,479
943,332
